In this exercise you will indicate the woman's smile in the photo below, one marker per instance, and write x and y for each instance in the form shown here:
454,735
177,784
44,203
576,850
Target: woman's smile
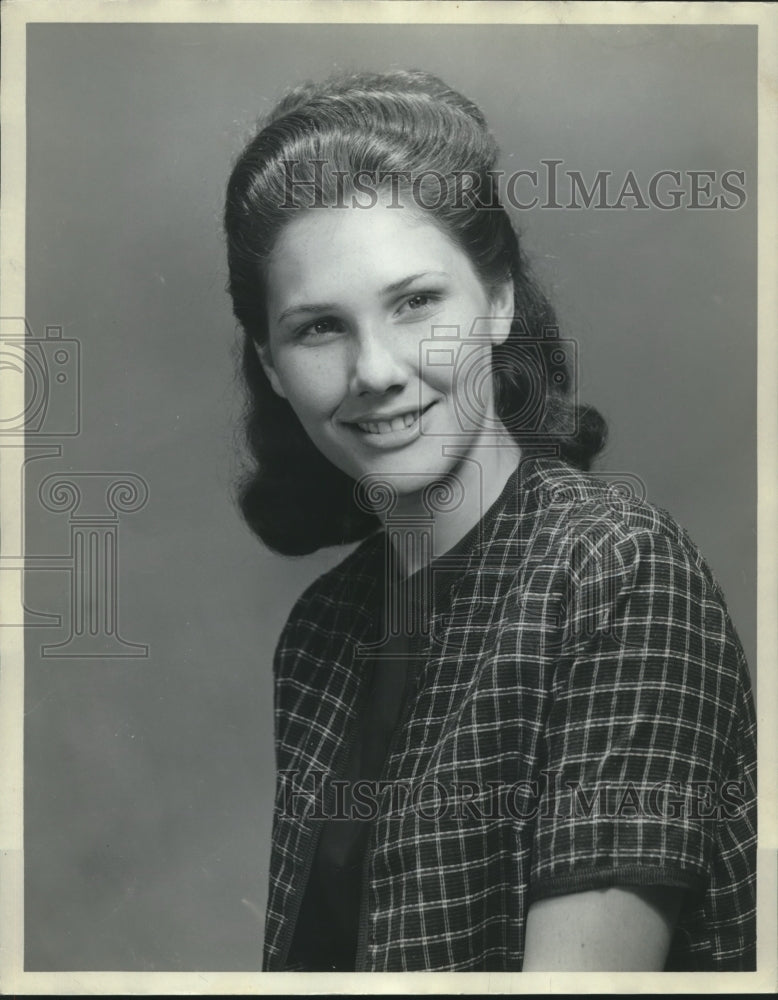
391,430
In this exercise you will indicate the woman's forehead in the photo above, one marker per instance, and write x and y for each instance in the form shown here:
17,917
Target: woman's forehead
325,245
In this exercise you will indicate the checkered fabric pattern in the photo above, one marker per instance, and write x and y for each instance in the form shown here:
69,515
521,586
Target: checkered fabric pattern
582,713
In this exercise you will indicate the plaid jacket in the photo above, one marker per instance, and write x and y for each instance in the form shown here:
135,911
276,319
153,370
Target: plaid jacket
582,718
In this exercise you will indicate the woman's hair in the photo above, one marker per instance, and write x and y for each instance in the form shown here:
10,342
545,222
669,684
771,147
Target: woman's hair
408,130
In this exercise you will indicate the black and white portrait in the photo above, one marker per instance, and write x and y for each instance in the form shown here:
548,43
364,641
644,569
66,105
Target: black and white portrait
388,402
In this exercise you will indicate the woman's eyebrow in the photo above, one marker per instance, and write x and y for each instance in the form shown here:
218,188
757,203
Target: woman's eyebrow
306,307
398,286
391,289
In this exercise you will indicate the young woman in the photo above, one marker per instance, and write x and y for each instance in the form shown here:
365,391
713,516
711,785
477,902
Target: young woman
514,727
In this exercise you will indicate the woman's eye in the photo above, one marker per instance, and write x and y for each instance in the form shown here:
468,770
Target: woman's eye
419,301
320,327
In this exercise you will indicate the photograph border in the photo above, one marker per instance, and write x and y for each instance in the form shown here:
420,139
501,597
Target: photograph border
16,14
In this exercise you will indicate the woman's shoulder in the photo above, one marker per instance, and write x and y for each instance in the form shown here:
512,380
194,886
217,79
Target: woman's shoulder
575,515
565,500
618,556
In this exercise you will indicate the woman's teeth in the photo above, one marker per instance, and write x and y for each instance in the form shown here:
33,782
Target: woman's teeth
385,426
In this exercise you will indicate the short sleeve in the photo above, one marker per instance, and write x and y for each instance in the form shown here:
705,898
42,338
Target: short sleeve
638,740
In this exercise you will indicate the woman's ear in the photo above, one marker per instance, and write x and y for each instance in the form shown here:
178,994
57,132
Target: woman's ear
265,359
502,312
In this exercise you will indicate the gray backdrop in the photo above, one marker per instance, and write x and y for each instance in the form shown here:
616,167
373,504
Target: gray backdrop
148,779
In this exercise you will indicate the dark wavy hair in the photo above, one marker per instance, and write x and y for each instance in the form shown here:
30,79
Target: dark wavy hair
403,125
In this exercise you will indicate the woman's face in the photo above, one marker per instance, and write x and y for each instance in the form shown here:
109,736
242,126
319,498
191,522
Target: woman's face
353,295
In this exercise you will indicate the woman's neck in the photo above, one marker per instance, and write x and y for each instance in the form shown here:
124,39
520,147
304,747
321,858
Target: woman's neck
445,511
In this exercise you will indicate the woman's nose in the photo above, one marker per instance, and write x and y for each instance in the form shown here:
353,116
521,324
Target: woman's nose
376,366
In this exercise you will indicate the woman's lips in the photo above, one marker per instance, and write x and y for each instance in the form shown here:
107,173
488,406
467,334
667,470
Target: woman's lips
385,426
399,428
